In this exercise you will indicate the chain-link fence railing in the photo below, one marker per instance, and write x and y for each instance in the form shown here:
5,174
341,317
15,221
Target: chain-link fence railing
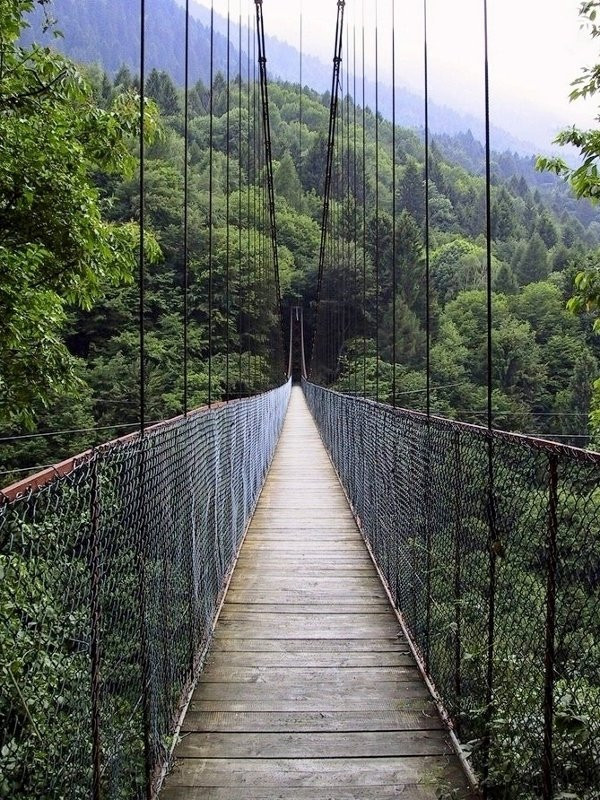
490,546
110,579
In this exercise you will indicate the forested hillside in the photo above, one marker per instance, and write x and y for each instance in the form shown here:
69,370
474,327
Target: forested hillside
545,359
108,33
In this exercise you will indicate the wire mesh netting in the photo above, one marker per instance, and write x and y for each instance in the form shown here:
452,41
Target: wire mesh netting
110,580
490,547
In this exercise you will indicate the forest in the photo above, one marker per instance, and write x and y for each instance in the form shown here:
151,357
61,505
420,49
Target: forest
71,316
545,358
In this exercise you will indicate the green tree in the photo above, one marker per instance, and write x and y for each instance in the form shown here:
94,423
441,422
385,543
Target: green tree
506,282
458,265
547,230
542,306
161,89
533,265
287,183
409,265
584,180
55,248
411,191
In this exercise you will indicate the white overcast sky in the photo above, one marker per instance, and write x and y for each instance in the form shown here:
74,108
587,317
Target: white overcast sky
537,48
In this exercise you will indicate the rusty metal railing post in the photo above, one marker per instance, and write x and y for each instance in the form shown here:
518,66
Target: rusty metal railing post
95,630
549,656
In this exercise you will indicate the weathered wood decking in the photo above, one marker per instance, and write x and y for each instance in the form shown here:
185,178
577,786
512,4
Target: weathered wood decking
310,690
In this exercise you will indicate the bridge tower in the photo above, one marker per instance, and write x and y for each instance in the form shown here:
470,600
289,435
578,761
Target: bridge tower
297,361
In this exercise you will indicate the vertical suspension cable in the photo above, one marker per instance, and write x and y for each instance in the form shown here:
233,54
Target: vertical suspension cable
355,207
493,544
377,200
347,325
301,97
339,309
394,252
141,546
364,206
427,223
186,256
254,207
227,204
210,202
333,110
488,221
239,253
428,543
142,190
248,206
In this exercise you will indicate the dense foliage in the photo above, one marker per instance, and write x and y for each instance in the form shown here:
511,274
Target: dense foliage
69,353
585,183
56,248
545,359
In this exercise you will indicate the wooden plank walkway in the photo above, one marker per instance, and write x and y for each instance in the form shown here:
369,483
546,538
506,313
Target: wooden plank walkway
310,691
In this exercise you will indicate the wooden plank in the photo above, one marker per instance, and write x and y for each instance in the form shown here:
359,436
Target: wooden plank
234,610
286,772
305,559
320,583
393,644
336,690
334,540
334,696
425,718
309,524
309,660
307,626
307,531
317,547
314,745
392,792
284,597
315,569
365,676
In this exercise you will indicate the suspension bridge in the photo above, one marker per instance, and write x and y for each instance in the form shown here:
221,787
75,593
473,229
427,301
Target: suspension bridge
304,593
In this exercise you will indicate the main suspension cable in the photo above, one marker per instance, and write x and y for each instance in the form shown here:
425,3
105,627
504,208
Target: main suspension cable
264,90
333,111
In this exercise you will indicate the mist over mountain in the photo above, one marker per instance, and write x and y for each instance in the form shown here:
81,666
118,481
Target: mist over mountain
106,31
284,60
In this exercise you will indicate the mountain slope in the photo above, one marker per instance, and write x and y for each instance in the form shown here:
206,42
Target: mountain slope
106,31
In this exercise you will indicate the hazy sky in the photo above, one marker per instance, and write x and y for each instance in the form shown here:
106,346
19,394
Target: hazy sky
536,49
